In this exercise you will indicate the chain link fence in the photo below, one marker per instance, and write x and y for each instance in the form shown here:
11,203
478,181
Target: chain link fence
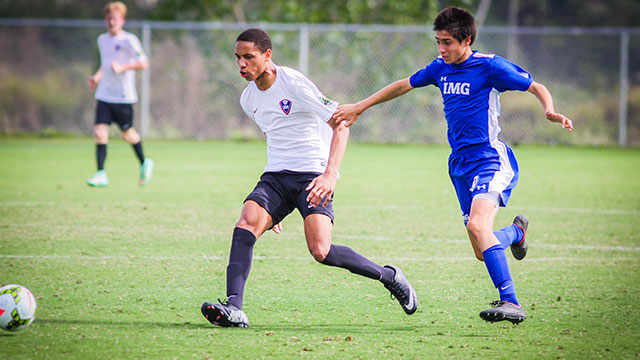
192,87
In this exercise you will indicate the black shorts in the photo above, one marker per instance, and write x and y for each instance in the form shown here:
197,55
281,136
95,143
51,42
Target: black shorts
121,114
281,192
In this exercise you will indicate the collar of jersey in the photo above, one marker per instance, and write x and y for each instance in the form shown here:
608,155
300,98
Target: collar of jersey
278,71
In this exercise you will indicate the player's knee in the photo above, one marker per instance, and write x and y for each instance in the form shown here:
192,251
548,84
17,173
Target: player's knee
319,253
251,223
131,136
478,255
475,227
100,135
246,224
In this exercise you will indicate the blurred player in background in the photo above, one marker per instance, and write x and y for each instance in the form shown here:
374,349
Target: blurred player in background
303,157
121,55
482,168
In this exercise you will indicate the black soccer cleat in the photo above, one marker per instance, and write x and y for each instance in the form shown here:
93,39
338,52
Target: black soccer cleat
224,314
503,310
519,250
402,291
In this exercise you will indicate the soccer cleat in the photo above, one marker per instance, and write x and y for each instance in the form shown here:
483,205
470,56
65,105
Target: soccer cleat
146,172
402,291
224,314
519,250
99,179
503,310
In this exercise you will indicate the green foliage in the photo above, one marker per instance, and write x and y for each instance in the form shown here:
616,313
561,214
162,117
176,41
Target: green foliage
121,272
416,12
287,11
27,104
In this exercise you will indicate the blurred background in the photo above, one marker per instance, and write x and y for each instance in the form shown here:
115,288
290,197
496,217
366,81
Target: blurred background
586,52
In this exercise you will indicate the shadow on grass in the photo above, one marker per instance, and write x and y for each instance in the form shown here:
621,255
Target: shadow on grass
321,329
6,333
318,328
127,324
339,328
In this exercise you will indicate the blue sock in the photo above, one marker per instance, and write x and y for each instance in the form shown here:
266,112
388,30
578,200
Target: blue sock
509,235
496,262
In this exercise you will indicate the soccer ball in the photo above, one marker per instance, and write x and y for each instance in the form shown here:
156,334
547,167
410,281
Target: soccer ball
17,307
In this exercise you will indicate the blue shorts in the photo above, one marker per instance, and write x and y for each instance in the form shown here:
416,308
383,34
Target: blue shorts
480,169
281,192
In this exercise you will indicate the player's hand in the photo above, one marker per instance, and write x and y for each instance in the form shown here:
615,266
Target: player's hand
277,228
117,67
321,190
346,114
92,82
559,118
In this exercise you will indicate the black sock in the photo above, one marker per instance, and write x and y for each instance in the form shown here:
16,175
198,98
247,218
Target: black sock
101,154
346,258
138,149
239,265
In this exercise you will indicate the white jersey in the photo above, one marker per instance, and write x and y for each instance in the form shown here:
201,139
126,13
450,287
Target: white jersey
293,114
124,48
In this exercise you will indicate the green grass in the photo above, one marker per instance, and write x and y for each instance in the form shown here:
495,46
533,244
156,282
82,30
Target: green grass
121,272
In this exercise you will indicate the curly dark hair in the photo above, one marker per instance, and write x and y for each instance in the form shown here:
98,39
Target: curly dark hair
256,36
457,22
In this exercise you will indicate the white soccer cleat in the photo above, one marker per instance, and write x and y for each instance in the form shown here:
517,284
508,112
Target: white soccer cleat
146,172
99,179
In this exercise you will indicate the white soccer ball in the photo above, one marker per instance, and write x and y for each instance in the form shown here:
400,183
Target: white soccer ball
17,307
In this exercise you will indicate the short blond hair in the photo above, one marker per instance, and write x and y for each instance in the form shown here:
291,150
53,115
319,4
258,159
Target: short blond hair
116,6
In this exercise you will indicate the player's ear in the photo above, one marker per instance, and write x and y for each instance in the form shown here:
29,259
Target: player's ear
267,54
467,41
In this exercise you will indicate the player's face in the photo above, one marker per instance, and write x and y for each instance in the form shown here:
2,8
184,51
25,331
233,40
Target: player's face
251,61
452,50
114,22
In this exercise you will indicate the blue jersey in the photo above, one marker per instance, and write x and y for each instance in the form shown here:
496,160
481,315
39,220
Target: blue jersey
471,95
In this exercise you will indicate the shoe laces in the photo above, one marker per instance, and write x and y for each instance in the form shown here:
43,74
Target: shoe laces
397,292
497,303
224,302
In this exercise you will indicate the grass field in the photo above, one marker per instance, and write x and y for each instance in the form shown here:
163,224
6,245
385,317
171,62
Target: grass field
120,272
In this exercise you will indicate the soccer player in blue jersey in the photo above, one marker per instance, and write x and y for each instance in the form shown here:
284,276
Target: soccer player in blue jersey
303,157
482,168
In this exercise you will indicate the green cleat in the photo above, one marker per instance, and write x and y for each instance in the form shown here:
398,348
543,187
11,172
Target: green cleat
146,172
99,179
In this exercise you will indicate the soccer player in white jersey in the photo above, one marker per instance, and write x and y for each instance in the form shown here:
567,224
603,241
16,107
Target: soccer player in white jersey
121,55
482,168
303,157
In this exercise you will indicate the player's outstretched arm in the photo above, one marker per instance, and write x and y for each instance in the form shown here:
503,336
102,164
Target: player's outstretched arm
349,113
322,186
119,68
540,91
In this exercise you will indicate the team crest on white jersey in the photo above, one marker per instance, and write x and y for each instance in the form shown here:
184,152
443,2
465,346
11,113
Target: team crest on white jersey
285,105
325,100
